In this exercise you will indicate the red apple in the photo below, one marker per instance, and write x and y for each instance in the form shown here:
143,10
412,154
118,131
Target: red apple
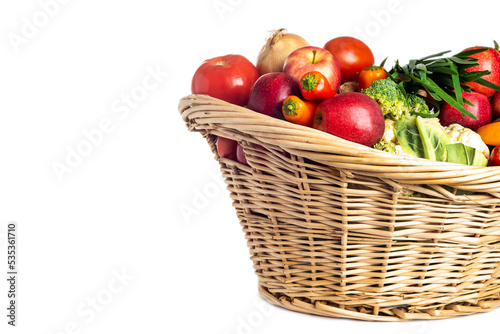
269,92
240,155
226,148
228,78
495,105
312,58
352,116
488,60
481,109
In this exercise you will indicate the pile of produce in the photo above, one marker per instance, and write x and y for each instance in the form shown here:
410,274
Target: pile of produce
440,107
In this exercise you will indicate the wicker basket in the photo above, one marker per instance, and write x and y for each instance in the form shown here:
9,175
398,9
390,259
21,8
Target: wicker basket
342,230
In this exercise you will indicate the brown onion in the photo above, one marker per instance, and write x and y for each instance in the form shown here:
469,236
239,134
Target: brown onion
278,47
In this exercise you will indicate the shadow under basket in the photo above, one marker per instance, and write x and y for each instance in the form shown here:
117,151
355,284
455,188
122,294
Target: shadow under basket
339,229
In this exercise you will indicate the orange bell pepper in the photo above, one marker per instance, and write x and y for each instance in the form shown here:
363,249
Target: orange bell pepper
367,76
299,111
490,133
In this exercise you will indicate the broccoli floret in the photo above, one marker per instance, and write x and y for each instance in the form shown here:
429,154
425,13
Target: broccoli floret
384,145
417,104
393,102
389,97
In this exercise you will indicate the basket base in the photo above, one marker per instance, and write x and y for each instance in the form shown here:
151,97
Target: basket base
323,308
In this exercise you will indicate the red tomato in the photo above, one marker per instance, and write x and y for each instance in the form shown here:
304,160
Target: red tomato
353,56
229,78
226,148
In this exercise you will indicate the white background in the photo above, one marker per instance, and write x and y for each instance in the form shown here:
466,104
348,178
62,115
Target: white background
118,212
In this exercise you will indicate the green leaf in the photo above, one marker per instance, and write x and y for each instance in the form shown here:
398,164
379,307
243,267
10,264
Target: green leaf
424,115
468,53
409,138
383,62
460,60
411,64
438,62
445,70
456,85
466,66
444,81
402,88
406,70
434,55
432,93
433,137
466,155
423,76
473,76
469,103
450,100
460,154
434,104
421,67
488,84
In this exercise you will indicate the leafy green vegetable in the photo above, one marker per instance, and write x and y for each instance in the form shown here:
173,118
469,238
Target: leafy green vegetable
433,137
408,137
443,78
425,138
463,154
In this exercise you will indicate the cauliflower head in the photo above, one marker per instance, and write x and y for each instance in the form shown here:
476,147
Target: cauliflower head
389,133
459,134
389,141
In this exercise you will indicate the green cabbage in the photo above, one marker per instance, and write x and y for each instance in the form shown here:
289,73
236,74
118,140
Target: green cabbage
434,139
463,154
408,136
426,138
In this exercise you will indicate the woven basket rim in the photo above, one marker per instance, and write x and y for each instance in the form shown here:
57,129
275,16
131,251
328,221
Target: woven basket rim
198,110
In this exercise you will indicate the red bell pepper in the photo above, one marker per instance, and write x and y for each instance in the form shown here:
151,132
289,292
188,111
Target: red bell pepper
315,86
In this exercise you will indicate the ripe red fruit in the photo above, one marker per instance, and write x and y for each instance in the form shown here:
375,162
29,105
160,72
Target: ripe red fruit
352,116
488,60
312,58
269,92
228,78
352,54
226,148
495,105
240,155
481,109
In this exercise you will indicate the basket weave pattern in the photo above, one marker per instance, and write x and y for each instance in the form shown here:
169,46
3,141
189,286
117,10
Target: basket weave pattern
341,230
